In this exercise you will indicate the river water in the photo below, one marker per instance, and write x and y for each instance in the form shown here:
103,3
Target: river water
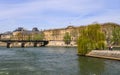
53,61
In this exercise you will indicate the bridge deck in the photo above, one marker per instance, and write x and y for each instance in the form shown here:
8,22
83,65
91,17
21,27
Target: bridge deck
9,42
23,41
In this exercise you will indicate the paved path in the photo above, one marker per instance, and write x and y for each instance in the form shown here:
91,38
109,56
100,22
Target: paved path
115,54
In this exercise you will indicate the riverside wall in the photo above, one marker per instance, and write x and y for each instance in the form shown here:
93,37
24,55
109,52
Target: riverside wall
2,44
61,44
114,54
16,44
51,43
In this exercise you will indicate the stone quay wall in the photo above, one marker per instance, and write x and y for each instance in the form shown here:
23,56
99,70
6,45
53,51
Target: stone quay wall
61,43
51,43
2,44
17,44
114,54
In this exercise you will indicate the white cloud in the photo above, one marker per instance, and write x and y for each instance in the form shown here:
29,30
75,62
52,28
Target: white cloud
74,6
39,12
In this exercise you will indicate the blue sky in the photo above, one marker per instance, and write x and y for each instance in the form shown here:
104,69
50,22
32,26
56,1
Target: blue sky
49,14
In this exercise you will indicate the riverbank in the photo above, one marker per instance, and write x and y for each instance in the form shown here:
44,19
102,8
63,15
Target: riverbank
2,44
115,55
61,43
50,44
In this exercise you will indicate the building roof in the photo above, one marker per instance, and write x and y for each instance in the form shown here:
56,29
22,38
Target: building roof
35,29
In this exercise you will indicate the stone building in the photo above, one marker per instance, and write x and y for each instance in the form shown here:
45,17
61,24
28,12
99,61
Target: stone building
22,34
56,36
6,35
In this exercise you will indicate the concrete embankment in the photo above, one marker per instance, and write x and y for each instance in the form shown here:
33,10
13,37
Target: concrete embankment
61,44
2,44
51,43
105,54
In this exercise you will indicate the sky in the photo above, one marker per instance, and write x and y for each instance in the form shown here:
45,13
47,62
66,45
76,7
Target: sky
50,14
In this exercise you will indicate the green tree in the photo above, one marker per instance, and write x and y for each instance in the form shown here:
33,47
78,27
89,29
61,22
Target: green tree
116,35
29,36
67,38
37,36
110,30
91,37
74,34
19,36
42,36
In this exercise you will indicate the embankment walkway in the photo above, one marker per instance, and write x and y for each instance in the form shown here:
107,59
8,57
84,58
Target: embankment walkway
114,54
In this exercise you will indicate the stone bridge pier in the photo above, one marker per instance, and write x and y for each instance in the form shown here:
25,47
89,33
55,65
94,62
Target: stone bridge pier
22,44
8,44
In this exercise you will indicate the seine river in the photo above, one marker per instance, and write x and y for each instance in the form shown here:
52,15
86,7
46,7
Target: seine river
53,61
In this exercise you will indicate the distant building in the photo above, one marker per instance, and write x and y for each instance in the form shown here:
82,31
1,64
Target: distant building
6,35
19,29
23,34
35,29
58,34
54,34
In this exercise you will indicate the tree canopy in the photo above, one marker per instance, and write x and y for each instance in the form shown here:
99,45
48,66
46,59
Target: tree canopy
38,36
67,38
116,35
91,37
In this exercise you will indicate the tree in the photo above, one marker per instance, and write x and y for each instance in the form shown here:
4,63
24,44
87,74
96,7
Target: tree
111,29
91,37
67,38
29,37
74,34
19,36
42,36
38,36
116,35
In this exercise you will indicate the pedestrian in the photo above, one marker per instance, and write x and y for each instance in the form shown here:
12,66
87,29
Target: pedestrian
110,47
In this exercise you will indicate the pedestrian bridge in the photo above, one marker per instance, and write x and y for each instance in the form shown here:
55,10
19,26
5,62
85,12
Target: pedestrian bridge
23,42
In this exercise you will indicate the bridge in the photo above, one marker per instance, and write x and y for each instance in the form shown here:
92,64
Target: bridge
23,42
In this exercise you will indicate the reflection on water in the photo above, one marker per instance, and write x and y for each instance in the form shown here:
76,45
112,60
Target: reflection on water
91,66
53,61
